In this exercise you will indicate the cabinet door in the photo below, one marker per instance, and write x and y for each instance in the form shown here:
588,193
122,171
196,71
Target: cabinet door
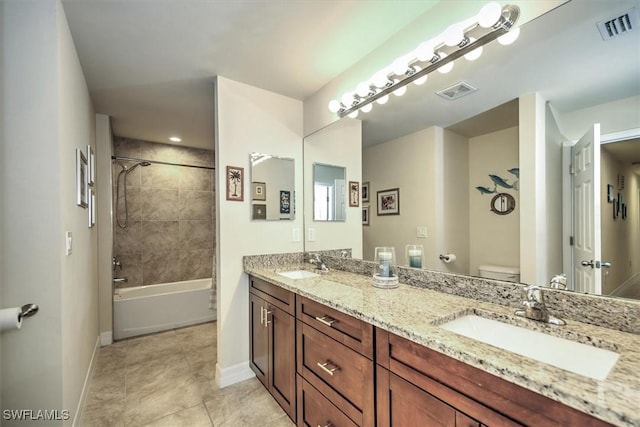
402,404
282,362
259,339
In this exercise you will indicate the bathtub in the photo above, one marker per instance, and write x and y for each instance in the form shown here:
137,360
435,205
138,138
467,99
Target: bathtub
146,309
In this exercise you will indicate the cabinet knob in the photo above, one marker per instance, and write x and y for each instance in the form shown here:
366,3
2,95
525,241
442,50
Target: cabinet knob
326,320
329,370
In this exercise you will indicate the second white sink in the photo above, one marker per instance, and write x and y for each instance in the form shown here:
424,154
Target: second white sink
298,274
565,354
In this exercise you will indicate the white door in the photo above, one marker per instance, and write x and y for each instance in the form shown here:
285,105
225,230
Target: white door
586,213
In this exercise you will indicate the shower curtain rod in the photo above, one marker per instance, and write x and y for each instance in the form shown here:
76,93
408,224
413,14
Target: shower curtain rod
134,159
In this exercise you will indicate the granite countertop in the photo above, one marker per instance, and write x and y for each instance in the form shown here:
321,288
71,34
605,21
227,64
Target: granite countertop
415,313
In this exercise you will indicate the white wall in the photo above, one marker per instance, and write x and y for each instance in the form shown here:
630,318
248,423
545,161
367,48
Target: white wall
409,164
339,145
104,225
494,239
248,120
553,165
48,114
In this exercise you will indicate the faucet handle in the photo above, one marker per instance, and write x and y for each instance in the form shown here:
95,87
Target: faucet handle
534,294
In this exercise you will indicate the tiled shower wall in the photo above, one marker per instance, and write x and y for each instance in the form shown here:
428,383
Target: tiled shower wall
170,232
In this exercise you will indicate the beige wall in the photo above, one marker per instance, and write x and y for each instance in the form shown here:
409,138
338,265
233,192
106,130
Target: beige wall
409,164
339,145
247,120
44,365
553,165
494,239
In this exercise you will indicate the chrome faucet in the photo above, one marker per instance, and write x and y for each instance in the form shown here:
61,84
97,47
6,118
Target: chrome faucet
535,308
558,281
321,267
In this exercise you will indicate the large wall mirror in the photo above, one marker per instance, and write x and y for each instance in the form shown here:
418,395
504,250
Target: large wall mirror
272,187
329,192
451,158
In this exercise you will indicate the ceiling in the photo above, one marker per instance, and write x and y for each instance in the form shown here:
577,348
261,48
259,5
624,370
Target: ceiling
150,65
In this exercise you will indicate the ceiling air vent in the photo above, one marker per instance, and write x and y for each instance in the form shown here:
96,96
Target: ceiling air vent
457,91
615,27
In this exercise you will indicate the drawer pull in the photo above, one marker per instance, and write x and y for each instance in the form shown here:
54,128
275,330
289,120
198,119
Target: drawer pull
329,371
261,315
326,320
266,318
329,424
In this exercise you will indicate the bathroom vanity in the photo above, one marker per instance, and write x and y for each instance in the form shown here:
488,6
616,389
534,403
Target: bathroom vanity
363,356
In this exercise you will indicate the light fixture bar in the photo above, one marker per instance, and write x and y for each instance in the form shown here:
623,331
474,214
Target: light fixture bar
509,16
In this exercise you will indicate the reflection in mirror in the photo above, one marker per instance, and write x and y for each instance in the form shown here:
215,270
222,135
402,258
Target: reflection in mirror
272,187
329,192
560,56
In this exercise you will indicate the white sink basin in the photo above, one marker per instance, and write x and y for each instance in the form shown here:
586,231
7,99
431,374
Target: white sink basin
298,274
572,356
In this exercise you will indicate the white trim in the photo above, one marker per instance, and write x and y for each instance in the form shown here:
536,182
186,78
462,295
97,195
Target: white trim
77,419
106,338
620,136
631,281
233,374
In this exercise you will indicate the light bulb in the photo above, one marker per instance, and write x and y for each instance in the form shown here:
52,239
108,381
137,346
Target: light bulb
353,114
400,91
422,79
348,99
334,106
510,37
400,66
445,68
475,53
453,35
363,90
367,108
424,52
489,14
380,79
383,99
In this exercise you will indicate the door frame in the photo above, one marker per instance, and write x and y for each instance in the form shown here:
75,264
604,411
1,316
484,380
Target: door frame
567,196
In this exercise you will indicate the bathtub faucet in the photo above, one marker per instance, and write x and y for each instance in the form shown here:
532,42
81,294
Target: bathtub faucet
120,280
115,262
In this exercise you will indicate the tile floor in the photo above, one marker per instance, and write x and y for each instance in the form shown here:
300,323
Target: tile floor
167,379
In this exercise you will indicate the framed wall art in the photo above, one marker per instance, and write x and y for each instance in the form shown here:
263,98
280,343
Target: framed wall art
389,202
259,211
354,194
365,192
92,208
259,191
285,202
235,183
365,215
91,166
81,179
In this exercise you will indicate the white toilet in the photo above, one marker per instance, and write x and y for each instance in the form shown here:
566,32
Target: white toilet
500,272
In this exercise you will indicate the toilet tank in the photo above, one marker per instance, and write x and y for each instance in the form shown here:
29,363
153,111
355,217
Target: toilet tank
500,272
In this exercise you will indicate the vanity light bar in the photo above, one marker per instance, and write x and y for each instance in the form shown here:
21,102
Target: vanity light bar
467,36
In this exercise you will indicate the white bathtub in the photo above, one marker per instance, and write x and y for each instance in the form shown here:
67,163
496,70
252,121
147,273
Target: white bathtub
146,309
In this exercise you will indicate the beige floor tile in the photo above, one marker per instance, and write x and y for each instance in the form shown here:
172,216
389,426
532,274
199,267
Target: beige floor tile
104,414
196,416
111,358
107,386
152,346
196,337
156,372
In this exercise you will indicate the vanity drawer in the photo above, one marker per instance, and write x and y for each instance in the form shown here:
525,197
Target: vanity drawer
341,374
348,330
280,297
316,410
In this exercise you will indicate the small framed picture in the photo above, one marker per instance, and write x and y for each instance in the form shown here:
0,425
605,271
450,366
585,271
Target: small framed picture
365,192
365,215
235,183
624,211
610,193
91,166
354,194
285,202
389,202
259,211
81,179
92,208
259,191
615,209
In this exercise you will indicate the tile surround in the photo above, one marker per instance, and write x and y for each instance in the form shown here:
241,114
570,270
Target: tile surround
170,236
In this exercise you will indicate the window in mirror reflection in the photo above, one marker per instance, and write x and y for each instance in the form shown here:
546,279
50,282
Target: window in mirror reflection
272,187
329,192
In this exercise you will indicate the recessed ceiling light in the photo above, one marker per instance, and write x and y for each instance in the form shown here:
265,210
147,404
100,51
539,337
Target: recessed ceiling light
175,139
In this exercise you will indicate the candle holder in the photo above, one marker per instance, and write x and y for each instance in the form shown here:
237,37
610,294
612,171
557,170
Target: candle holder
415,256
384,274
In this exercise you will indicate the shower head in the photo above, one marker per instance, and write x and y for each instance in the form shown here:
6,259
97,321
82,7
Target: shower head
129,170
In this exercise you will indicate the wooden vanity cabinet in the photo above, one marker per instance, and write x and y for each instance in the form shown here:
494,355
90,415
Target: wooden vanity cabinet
335,367
417,383
272,341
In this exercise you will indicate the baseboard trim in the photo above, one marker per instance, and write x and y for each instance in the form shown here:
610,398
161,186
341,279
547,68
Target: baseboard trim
233,374
106,338
77,419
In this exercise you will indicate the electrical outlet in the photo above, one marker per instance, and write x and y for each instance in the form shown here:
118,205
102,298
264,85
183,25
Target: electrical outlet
421,232
311,235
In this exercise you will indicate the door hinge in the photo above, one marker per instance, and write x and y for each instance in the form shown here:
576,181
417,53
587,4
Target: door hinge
572,170
571,240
